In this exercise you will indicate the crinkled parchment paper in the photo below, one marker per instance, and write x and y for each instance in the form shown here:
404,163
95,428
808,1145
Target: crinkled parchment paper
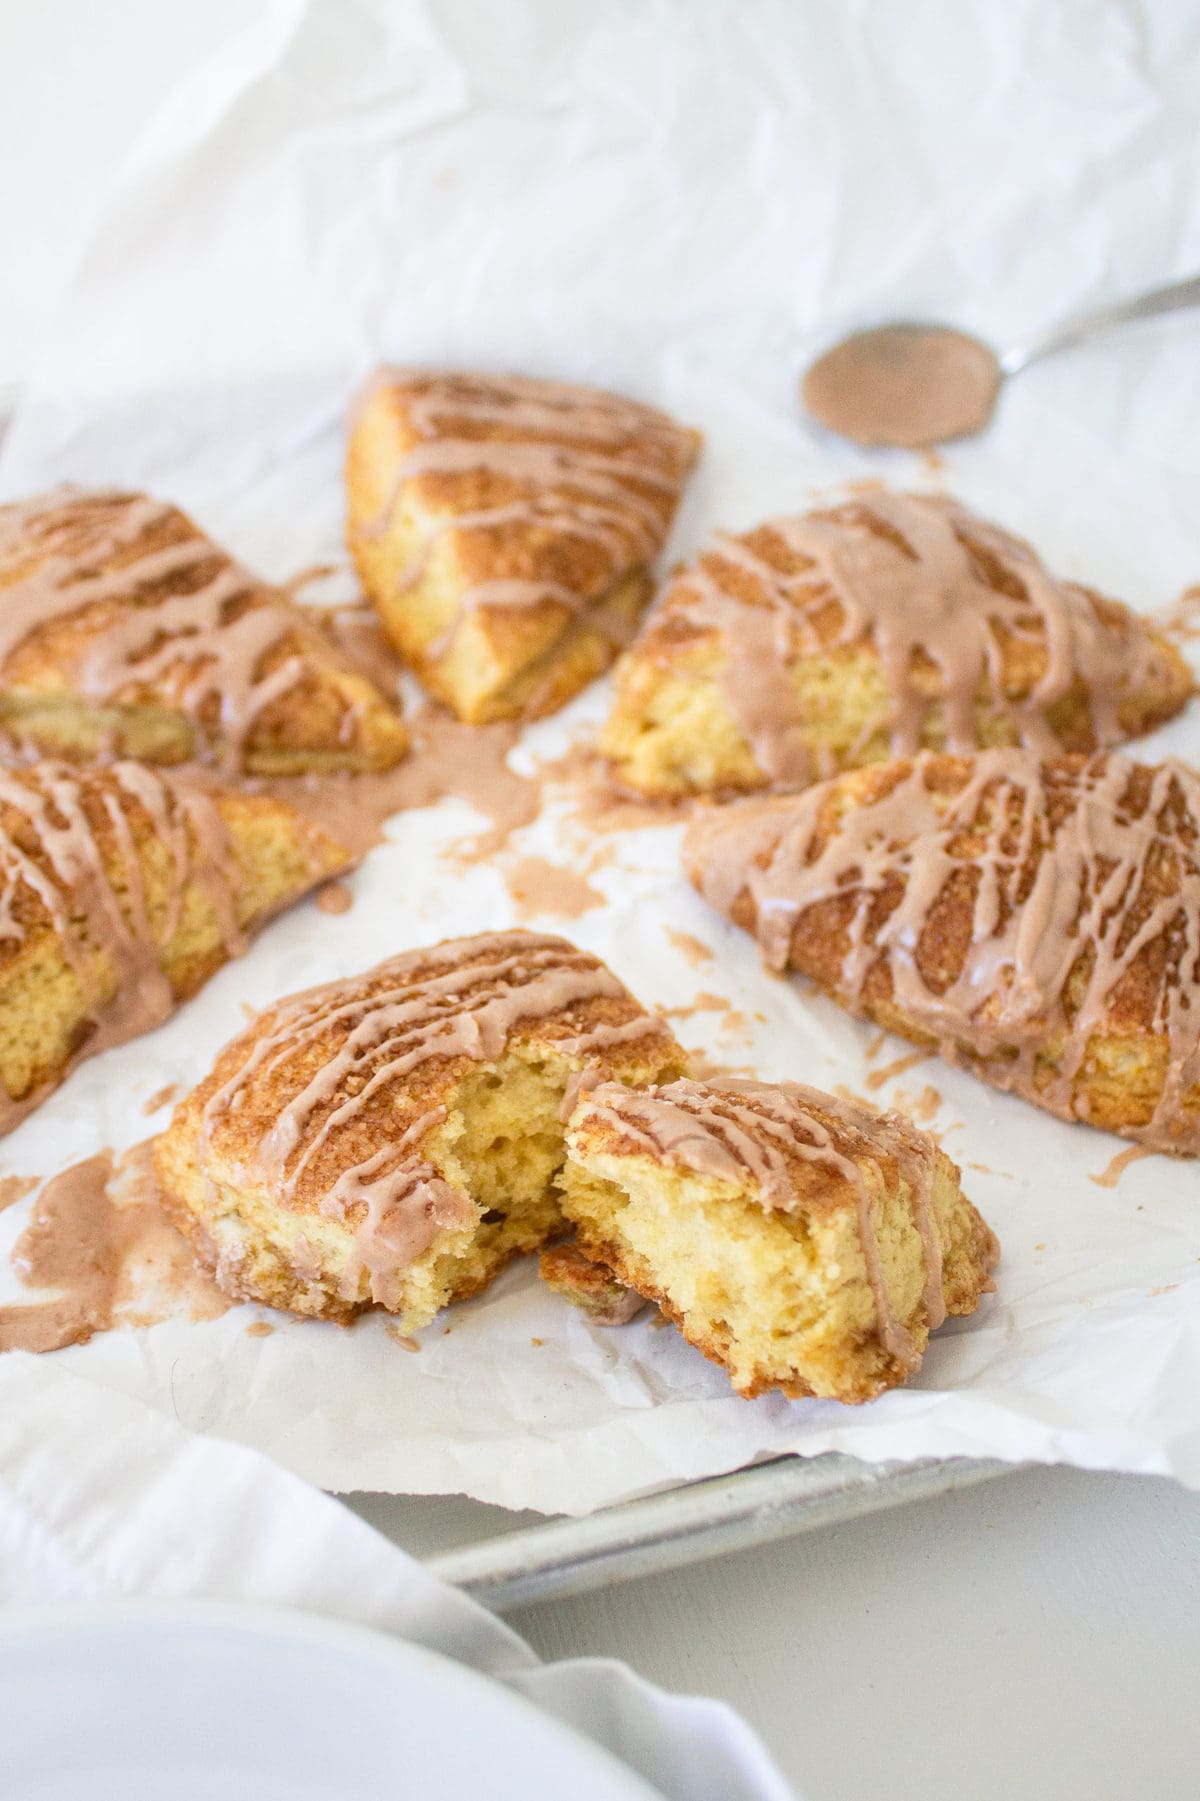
684,201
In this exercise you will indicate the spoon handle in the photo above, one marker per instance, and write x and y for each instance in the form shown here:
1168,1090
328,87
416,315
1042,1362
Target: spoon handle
1175,298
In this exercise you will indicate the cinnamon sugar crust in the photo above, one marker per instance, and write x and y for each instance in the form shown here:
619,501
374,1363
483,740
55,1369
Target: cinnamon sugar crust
588,1285
894,623
395,1139
1038,922
505,529
802,1242
121,892
124,631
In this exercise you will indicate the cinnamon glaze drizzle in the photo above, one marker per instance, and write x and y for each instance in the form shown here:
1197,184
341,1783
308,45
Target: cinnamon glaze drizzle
1081,883
745,1131
593,466
369,1033
929,585
193,624
69,864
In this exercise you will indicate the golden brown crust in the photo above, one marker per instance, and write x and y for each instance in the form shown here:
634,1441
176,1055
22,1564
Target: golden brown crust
356,1134
125,631
1107,1040
504,529
680,724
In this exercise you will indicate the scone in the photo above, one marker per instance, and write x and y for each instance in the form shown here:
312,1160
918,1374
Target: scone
891,624
1037,922
124,631
505,529
396,1138
121,892
802,1242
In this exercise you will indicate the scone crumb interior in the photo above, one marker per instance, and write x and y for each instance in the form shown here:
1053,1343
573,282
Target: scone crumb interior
803,1243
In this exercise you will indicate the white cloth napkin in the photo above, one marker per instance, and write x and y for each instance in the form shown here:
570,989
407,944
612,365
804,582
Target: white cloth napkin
103,1498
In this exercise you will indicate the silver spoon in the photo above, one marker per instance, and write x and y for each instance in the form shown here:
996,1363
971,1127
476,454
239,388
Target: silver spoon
914,385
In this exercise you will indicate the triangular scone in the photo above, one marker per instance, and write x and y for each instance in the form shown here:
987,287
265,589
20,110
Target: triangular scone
121,891
896,623
1037,922
124,631
802,1242
505,529
396,1138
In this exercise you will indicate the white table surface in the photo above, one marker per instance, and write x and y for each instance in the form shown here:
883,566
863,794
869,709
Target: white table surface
1036,1637
1033,1639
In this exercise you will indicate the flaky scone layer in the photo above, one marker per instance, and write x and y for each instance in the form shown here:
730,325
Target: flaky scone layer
122,892
1037,922
895,623
394,1139
124,631
802,1242
505,528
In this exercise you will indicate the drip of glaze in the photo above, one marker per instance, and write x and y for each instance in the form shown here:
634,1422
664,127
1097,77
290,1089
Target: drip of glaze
927,584
1083,874
592,466
469,762
540,887
405,1203
747,1131
99,1240
14,1189
334,898
1111,1174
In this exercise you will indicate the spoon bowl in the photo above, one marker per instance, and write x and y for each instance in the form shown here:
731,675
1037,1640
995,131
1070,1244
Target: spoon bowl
904,385
913,385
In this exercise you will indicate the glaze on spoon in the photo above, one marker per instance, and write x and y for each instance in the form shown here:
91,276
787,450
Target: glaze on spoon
914,385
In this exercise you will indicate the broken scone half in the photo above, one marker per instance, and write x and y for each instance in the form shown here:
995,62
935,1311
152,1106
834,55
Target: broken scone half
801,1241
121,892
124,631
505,529
1037,922
396,1138
895,623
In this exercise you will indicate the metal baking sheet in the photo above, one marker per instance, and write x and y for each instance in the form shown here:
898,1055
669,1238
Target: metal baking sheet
753,1506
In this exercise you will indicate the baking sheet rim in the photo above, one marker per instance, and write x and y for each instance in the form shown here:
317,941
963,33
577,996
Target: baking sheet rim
755,1505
